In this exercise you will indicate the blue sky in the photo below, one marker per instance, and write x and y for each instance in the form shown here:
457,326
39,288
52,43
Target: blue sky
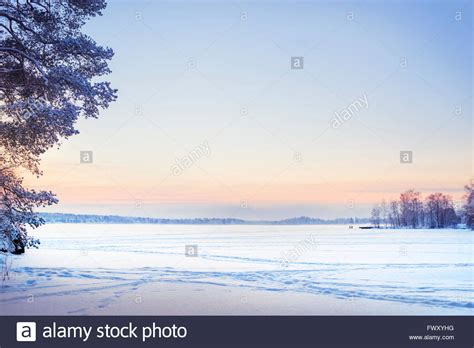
218,73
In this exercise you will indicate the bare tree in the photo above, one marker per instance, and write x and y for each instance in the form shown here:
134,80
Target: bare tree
384,212
468,209
375,216
394,215
440,211
411,208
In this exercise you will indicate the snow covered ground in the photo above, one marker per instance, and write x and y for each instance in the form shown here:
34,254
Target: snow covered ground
326,270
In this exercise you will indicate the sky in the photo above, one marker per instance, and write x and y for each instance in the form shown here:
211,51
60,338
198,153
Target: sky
212,121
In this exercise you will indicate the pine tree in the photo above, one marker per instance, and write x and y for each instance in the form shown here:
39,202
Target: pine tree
48,80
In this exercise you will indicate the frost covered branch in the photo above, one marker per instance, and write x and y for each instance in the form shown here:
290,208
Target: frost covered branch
48,80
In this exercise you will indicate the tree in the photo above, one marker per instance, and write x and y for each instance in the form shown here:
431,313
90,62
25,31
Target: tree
394,214
440,211
48,80
385,212
468,209
411,208
375,216
17,210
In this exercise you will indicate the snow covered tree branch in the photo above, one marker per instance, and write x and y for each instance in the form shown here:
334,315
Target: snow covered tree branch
48,80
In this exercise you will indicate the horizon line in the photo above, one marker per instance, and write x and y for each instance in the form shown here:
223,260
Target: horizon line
156,220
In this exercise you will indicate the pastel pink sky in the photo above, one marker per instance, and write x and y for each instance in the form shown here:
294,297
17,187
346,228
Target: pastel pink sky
193,74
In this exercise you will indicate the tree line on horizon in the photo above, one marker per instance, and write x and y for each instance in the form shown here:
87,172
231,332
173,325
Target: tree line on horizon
437,210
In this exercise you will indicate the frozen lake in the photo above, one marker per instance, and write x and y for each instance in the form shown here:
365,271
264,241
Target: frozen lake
331,270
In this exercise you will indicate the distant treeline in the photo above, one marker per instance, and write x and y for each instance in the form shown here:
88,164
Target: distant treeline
114,219
437,210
